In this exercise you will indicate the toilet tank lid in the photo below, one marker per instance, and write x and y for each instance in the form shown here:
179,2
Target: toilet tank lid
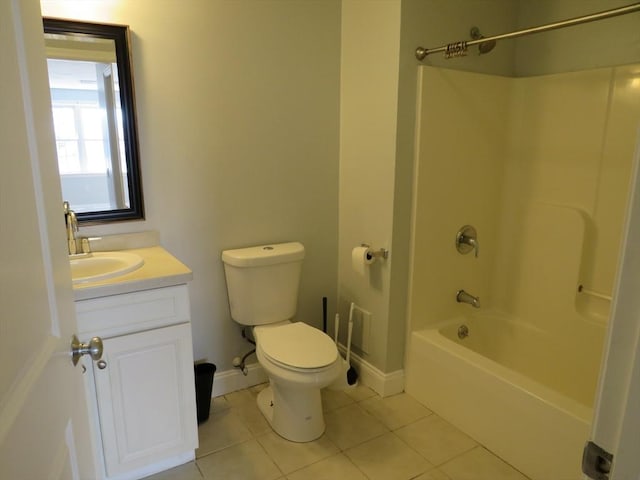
264,255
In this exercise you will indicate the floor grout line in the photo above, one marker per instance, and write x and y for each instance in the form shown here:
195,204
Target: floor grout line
247,421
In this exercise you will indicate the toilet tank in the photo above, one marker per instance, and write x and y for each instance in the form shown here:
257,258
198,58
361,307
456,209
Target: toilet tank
262,282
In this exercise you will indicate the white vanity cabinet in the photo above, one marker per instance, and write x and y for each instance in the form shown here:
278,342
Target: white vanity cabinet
142,392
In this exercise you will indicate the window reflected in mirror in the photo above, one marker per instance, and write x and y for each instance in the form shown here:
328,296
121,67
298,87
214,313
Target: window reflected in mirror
94,119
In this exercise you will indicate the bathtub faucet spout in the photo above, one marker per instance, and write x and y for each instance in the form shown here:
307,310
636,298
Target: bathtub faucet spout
464,297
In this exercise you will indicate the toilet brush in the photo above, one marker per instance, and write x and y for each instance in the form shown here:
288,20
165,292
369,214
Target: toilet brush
352,375
324,314
341,381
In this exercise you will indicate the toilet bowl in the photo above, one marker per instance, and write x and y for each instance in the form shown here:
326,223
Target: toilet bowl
299,360
262,286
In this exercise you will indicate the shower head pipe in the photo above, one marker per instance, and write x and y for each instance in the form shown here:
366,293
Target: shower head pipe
422,53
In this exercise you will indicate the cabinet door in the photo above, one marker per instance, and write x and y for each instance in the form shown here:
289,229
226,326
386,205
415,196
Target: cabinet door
146,398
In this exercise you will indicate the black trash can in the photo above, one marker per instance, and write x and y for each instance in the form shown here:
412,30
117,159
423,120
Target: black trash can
204,385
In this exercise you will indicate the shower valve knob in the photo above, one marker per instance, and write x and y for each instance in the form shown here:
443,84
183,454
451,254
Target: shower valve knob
467,240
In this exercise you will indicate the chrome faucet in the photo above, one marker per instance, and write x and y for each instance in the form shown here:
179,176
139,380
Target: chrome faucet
71,222
467,240
464,297
472,242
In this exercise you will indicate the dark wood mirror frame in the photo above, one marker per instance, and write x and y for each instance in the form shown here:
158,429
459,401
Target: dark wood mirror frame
120,35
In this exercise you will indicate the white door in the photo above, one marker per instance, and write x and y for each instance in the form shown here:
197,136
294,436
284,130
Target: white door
43,417
616,423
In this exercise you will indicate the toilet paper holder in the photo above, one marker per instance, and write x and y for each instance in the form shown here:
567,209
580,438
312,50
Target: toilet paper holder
380,253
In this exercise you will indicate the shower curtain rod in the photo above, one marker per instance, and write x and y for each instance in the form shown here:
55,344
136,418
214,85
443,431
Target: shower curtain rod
460,48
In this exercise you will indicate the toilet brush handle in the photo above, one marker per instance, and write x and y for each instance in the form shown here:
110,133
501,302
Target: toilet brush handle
336,327
349,332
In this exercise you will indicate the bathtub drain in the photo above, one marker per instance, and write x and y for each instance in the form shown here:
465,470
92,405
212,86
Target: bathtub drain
463,332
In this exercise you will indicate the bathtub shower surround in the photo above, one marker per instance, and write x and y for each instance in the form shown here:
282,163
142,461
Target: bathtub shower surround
548,169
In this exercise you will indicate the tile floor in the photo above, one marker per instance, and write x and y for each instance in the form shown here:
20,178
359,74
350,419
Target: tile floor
367,437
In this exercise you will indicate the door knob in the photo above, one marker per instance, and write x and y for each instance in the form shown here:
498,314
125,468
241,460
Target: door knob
93,348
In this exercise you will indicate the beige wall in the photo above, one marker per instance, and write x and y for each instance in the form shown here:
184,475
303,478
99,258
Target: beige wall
368,113
238,119
614,41
378,92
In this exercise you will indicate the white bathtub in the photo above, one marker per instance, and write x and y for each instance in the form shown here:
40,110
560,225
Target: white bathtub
504,386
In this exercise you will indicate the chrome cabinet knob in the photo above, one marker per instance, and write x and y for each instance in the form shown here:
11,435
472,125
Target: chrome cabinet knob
93,348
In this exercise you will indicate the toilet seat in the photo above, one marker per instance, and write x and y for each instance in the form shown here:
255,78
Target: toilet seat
296,346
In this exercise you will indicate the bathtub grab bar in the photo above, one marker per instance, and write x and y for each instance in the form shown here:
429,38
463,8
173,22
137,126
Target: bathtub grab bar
593,293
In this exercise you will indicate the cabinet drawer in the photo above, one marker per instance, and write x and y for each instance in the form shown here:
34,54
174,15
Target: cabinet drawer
133,312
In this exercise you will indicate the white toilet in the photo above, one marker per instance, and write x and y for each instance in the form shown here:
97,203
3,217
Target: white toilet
262,284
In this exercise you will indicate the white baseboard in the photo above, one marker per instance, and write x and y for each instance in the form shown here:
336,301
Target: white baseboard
384,384
232,380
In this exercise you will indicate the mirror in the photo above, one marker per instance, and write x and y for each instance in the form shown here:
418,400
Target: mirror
94,119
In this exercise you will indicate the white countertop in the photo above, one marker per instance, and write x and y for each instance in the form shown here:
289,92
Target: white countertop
160,269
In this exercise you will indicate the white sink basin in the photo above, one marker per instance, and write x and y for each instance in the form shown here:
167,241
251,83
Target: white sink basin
103,265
